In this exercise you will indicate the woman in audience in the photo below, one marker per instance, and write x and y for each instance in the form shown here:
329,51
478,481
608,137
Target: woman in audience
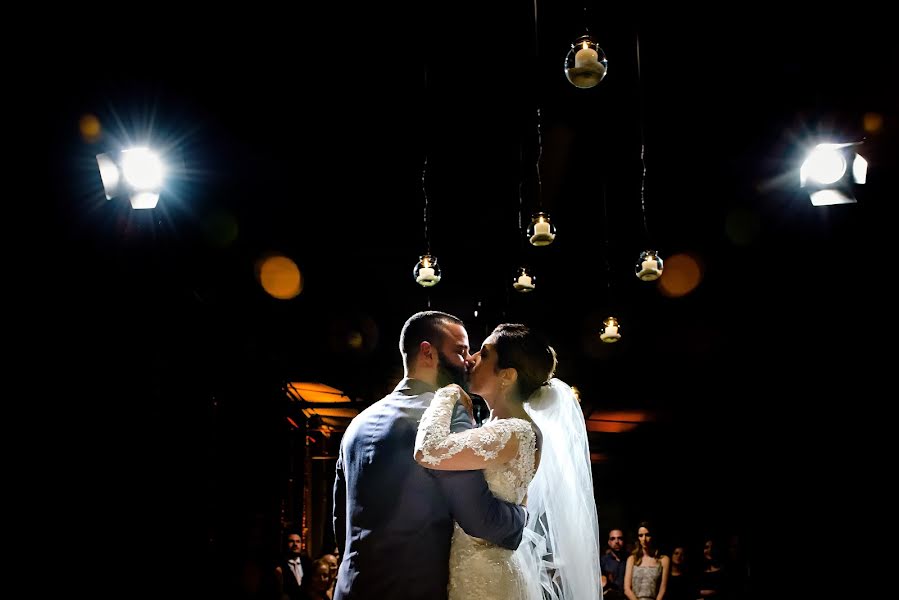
646,572
680,581
711,577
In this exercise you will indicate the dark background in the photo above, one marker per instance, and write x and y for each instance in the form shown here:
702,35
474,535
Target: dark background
307,134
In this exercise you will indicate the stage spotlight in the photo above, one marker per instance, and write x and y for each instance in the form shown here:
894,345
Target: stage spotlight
138,172
830,173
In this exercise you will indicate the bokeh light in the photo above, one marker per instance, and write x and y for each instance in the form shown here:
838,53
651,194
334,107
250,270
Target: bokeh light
873,122
280,277
90,128
682,275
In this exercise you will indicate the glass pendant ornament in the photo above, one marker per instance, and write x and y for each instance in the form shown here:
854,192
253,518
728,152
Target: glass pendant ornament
541,231
649,266
426,271
611,332
586,64
524,282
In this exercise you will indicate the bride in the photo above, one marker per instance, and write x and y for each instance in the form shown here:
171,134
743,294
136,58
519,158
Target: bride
533,451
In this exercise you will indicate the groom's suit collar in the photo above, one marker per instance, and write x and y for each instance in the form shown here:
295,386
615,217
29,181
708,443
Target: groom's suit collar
414,387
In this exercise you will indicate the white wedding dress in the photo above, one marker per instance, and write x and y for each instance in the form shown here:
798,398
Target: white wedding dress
479,569
558,558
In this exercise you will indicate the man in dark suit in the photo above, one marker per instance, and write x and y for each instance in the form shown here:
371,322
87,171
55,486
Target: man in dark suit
292,572
393,519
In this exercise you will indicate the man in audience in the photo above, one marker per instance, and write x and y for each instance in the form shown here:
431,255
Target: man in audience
612,564
292,571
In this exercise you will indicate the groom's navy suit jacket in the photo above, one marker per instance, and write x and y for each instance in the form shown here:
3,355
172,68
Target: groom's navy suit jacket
393,519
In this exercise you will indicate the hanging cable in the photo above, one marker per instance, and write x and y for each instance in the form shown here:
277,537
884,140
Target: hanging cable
424,191
642,141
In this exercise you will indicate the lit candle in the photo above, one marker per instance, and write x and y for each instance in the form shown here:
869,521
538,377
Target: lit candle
525,281
425,274
610,333
650,269
541,228
585,57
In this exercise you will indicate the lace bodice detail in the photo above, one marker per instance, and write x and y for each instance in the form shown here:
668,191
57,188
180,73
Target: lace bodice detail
510,481
504,448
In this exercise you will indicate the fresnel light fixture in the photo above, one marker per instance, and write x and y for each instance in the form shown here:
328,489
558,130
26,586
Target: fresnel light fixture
830,172
137,172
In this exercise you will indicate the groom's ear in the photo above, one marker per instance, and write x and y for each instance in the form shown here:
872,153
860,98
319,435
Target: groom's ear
427,351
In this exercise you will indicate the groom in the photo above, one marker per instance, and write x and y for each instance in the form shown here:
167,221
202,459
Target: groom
393,519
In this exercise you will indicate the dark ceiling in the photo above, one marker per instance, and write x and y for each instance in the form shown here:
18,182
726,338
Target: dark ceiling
313,146
309,134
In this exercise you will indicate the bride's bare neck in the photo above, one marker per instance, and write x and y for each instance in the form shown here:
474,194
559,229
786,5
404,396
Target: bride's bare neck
506,407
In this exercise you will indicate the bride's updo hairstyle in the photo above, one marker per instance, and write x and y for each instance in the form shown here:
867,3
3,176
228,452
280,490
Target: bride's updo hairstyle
519,348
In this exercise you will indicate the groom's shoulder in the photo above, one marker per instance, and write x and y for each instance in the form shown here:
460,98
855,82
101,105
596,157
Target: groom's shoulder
402,402
395,403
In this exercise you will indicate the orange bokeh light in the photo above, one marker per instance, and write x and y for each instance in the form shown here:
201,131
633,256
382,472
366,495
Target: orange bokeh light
280,277
681,276
90,128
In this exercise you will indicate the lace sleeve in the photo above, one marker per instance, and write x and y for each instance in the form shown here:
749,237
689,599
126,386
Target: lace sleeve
437,448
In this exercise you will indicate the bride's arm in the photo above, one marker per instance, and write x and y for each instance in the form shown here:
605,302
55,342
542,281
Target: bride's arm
437,448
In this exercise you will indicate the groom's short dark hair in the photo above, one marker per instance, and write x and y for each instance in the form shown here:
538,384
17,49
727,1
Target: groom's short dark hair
424,326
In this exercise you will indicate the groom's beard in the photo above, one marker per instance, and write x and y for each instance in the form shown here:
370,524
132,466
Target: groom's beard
447,373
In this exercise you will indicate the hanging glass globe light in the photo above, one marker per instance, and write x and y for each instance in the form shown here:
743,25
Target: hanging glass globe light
524,282
541,231
426,271
649,266
610,333
585,64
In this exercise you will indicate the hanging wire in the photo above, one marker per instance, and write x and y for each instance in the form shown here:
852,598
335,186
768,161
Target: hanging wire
539,157
539,135
424,191
520,207
424,172
424,187
521,233
642,140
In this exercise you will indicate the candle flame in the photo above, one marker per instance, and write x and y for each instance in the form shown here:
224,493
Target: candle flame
585,45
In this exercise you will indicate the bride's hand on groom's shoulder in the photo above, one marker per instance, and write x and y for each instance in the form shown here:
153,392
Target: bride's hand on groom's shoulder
464,399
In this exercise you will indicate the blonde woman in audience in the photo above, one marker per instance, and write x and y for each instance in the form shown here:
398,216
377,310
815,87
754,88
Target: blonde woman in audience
318,586
646,572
